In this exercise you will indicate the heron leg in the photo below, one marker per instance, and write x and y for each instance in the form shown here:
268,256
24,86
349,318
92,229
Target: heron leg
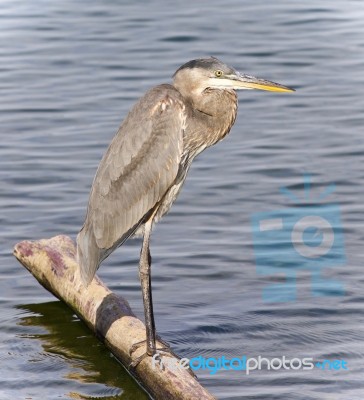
145,280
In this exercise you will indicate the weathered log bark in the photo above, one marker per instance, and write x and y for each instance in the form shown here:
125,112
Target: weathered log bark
53,264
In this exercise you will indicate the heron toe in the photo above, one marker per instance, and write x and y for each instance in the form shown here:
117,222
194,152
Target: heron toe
152,351
149,353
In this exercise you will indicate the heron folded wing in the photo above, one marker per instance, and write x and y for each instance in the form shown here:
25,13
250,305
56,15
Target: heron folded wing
139,167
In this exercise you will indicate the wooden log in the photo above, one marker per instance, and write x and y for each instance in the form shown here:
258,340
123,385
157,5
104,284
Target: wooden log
53,264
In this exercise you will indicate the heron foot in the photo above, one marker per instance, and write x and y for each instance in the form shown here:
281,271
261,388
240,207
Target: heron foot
157,355
150,352
136,346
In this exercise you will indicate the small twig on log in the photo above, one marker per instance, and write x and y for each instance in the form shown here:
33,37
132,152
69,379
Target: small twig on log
53,264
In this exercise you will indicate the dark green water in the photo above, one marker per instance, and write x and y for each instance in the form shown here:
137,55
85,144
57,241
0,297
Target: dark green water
69,72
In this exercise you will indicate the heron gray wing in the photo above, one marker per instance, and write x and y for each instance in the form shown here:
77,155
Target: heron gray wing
138,168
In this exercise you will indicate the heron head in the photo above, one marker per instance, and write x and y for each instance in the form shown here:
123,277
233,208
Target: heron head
210,73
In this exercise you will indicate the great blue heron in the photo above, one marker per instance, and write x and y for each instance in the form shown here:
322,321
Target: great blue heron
146,164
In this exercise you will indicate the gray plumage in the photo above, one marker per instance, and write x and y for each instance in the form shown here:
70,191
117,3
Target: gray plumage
135,173
145,166
148,159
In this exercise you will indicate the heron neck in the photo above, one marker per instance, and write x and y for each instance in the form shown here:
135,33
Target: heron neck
213,115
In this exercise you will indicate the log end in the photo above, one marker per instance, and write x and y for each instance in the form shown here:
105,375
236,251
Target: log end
53,263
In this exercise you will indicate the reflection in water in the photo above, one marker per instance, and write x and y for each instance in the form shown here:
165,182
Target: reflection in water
66,341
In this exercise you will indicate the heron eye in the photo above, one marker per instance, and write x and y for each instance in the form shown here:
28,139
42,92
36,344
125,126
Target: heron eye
218,73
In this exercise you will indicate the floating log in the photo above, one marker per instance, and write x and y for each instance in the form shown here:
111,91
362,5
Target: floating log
52,262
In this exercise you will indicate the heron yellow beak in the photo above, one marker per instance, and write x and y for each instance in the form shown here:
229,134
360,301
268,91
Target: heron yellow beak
250,82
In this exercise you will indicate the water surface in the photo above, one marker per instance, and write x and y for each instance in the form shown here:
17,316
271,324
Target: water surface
69,73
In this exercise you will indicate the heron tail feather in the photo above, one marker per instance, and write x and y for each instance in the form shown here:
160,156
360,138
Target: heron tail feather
89,256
